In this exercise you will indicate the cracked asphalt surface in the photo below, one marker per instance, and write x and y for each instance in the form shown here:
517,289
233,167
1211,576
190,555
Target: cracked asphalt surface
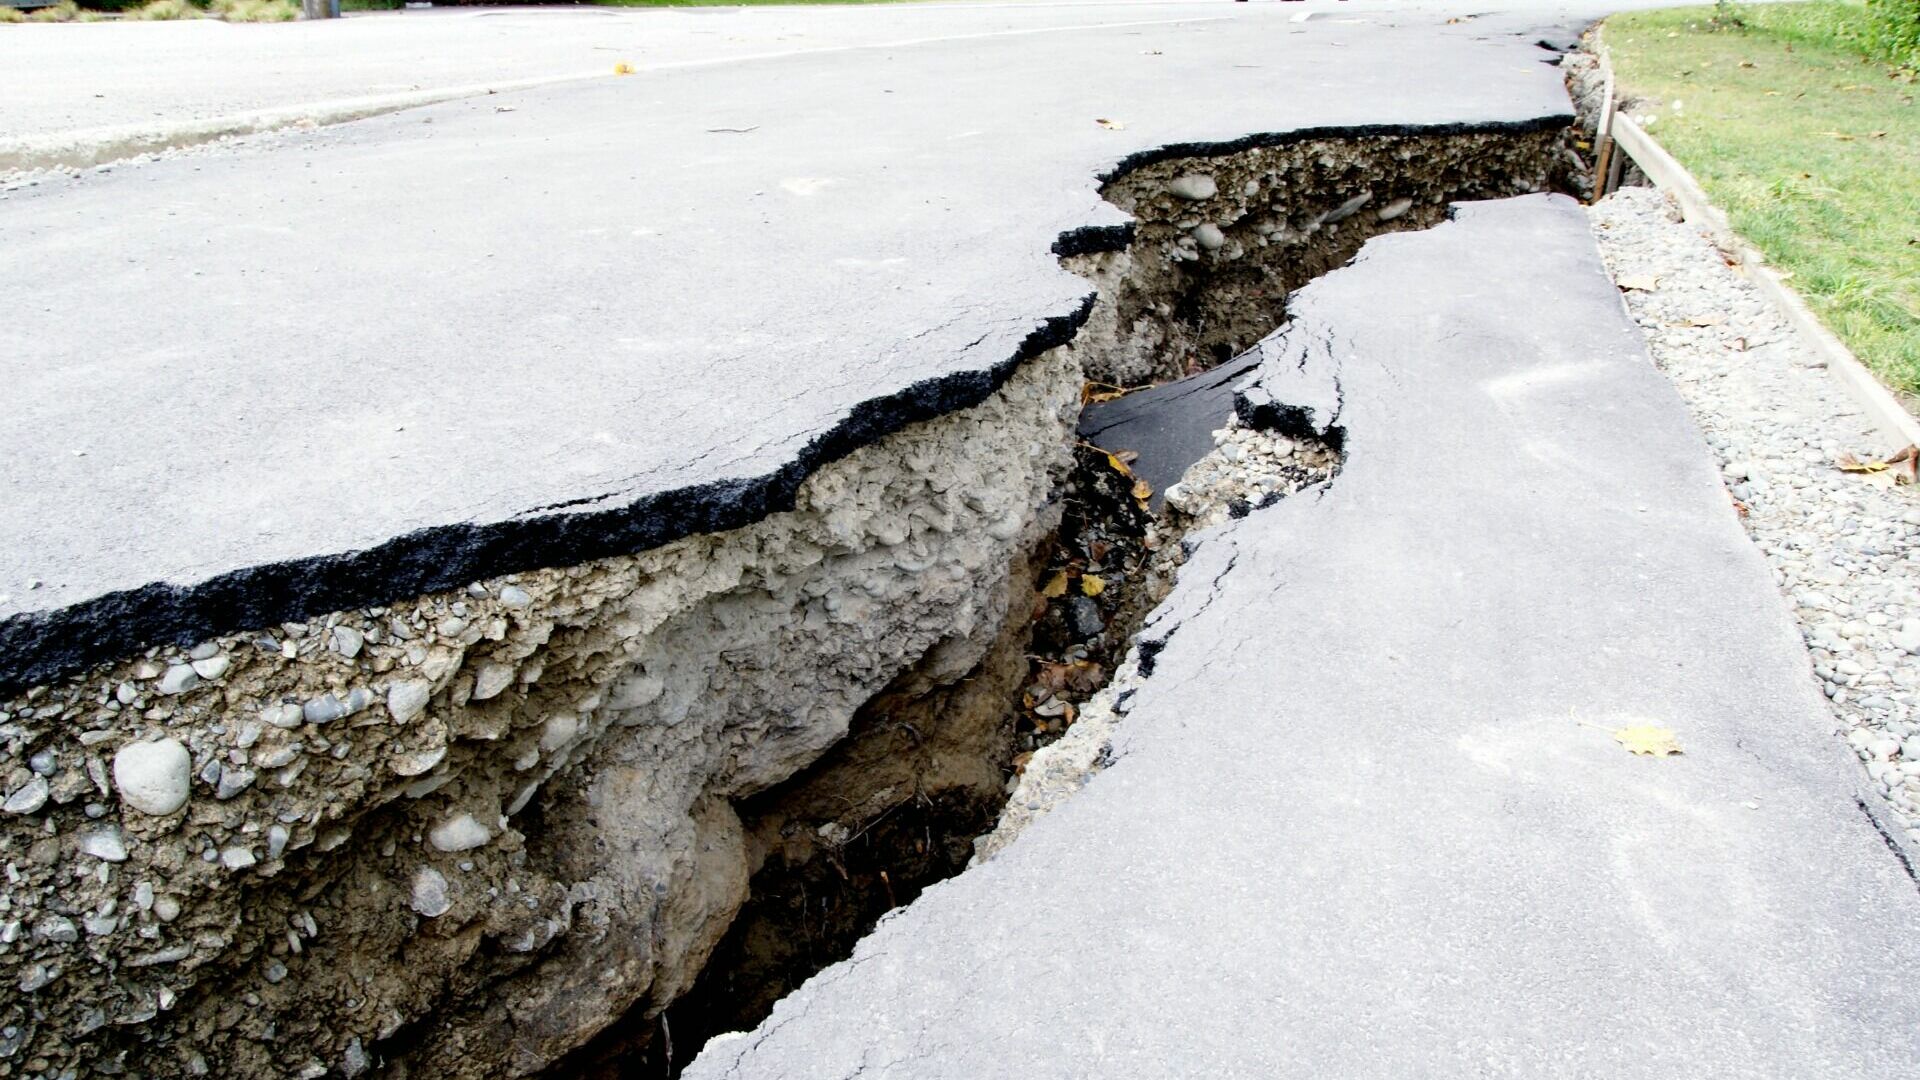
342,365
1367,816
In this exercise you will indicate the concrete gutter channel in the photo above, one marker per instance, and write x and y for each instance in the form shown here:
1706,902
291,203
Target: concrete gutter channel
491,793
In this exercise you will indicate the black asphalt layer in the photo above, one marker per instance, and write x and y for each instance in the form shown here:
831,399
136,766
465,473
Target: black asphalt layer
361,363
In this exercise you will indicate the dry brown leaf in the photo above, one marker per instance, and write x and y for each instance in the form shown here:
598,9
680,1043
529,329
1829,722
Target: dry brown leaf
1910,459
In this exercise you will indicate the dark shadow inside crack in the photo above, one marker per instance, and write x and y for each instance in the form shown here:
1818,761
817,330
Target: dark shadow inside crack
1220,237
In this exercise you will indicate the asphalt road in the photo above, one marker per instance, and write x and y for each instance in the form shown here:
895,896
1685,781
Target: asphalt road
1367,818
386,357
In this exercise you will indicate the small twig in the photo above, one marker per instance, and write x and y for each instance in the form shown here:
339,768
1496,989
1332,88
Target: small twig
735,131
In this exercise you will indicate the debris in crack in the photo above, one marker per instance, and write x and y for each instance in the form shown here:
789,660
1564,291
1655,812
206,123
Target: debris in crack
1248,469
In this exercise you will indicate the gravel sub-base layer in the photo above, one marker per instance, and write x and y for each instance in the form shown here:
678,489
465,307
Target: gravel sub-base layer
1844,547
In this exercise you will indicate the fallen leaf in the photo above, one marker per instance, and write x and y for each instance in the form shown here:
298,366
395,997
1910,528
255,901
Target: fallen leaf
1093,392
1111,125
1093,584
1142,490
1647,739
1640,282
1909,457
623,68
1056,586
1114,463
1849,463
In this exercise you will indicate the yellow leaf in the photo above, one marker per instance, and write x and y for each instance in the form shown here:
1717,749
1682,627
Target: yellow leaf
1648,739
1142,490
1849,463
1056,586
1093,585
1119,466
623,68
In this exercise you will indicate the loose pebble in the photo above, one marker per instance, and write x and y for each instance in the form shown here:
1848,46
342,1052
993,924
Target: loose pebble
430,893
153,777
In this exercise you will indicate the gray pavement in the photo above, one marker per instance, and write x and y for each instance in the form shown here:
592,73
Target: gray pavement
367,361
68,77
1367,818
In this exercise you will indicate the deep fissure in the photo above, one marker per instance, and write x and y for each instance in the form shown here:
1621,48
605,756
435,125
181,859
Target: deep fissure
1218,242
461,831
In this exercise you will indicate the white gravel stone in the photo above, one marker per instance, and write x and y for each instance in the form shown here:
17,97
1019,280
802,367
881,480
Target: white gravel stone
462,832
106,844
28,798
179,679
153,777
491,679
348,641
1845,548
430,893
1194,186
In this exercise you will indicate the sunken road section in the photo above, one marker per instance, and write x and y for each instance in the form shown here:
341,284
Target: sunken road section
461,801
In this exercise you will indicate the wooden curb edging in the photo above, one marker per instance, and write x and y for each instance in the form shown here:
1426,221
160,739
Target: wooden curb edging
1873,397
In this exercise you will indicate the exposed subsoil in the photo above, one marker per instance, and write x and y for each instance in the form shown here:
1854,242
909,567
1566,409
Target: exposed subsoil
898,805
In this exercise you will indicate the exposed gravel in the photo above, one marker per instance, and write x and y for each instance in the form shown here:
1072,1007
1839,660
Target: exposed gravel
1845,548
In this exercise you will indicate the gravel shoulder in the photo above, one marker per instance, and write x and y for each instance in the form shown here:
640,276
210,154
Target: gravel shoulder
1844,547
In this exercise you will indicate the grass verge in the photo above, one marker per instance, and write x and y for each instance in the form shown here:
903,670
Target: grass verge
393,5
1810,146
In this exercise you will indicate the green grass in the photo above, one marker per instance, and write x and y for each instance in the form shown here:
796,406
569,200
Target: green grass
254,10
1811,148
391,5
